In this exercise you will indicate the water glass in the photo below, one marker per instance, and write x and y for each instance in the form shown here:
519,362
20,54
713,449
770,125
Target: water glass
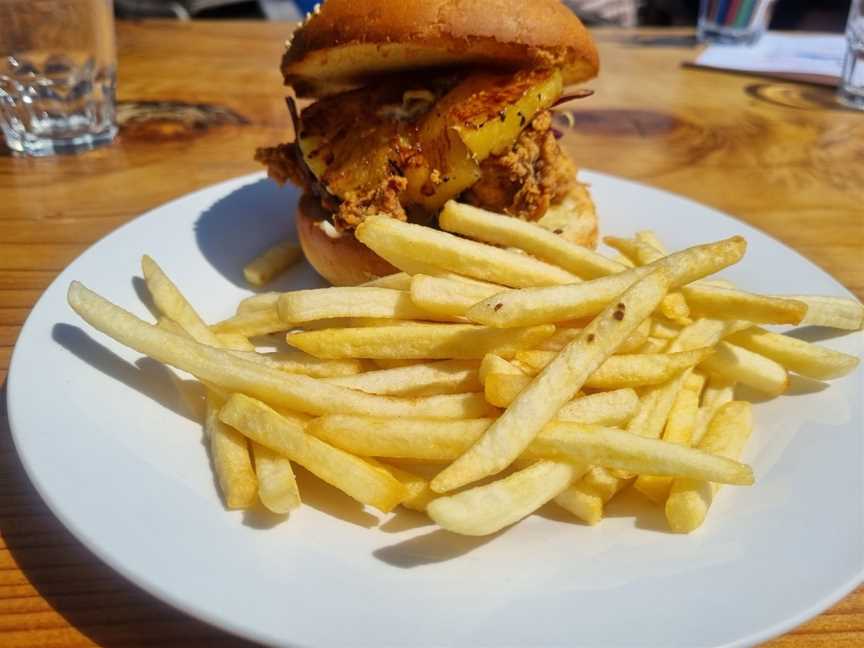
57,75
734,22
851,89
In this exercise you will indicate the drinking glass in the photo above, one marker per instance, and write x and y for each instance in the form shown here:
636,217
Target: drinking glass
851,89
734,22
57,75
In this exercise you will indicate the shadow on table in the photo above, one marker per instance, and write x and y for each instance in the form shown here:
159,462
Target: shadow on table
246,222
92,598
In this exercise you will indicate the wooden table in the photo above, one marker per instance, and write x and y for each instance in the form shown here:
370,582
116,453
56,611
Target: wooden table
198,98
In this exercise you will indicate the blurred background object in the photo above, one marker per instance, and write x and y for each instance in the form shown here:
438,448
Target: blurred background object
57,75
821,15
734,22
851,90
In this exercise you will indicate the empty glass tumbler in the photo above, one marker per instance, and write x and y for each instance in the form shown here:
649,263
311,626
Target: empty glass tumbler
57,75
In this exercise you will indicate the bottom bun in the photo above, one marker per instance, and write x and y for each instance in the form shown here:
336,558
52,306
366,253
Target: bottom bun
344,261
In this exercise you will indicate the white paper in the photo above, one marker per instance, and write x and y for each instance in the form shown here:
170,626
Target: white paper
785,54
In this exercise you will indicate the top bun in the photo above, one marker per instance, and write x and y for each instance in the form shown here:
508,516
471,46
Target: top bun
345,42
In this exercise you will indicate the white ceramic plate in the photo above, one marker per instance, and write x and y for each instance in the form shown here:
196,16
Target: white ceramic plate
117,454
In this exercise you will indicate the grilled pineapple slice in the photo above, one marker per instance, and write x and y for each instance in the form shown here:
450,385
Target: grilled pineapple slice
354,141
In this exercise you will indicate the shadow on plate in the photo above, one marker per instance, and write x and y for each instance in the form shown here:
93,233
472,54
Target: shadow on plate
435,547
631,504
246,222
147,376
98,603
331,501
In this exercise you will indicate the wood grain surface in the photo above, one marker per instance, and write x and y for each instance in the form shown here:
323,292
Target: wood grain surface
197,98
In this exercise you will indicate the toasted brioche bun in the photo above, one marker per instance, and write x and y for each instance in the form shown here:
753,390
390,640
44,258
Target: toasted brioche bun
348,41
345,261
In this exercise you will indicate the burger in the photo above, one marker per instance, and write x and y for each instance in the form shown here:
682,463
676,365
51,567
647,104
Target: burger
411,103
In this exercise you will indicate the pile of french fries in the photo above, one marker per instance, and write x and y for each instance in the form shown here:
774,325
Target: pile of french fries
502,369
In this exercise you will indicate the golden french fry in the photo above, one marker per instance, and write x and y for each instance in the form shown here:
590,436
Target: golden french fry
664,329
650,237
653,345
171,303
422,379
277,486
741,365
731,303
628,370
499,229
834,312
402,438
561,303
675,307
396,281
540,401
272,262
493,363
811,360
262,301
352,475
680,425
301,306
448,297
486,509
234,342
636,339
617,449
612,408
638,251
581,502
231,461
298,362
293,392
689,499
717,392
252,323
418,342
390,238
418,494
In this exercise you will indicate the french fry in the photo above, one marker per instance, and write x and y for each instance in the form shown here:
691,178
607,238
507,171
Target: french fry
390,238
664,329
628,370
252,323
560,303
650,237
298,362
492,363
639,251
301,306
811,360
653,345
396,281
737,363
171,303
636,339
689,499
228,449
234,342
538,403
262,301
675,307
448,297
617,449
834,312
611,408
352,475
502,230
418,494
277,486
272,262
717,392
486,509
419,342
293,392
680,425
731,303
230,455
582,502
422,379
